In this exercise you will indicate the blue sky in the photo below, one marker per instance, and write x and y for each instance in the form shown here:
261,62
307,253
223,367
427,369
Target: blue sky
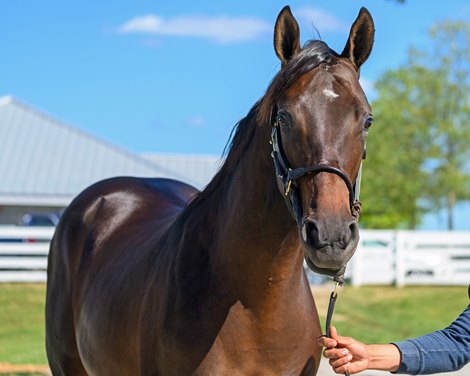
175,76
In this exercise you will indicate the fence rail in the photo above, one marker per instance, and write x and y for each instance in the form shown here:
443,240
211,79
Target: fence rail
411,258
23,253
382,258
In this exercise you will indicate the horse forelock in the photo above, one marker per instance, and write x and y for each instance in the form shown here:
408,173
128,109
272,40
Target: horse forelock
311,56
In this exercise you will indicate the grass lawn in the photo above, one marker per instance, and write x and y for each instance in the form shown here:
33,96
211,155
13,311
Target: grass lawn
22,323
386,314
371,314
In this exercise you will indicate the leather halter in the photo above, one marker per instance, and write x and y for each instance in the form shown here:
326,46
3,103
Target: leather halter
287,178
287,183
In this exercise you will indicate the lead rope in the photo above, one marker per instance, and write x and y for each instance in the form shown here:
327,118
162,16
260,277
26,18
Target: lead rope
339,279
331,307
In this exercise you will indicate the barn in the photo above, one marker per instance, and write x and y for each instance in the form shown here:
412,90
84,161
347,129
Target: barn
45,163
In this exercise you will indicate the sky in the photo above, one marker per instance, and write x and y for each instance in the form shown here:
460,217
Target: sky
176,76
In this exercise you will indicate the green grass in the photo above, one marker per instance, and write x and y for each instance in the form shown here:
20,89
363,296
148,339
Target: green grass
386,314
371,314
22,323
22,374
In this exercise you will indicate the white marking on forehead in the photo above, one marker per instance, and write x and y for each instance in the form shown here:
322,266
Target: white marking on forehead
330,93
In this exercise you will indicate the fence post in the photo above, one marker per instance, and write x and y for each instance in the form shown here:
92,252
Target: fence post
400,249
356,267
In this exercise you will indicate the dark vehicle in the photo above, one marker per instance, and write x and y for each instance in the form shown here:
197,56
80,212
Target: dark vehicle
40,219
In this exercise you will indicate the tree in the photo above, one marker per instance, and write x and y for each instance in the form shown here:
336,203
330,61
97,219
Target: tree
397,150
450,177
420,148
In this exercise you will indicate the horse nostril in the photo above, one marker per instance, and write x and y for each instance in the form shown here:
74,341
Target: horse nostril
348,234
310,231
353,234
317,234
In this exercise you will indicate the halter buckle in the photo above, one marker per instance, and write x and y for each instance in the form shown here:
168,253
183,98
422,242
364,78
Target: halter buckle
289,186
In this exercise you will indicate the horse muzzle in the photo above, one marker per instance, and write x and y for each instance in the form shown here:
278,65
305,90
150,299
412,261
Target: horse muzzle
329,244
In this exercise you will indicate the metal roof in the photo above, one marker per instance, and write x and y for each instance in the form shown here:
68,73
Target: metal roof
197,170
46,162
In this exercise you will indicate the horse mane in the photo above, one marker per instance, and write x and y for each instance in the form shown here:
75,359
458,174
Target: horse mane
311,56
239,141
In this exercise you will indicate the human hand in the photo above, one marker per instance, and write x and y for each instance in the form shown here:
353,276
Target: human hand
345,353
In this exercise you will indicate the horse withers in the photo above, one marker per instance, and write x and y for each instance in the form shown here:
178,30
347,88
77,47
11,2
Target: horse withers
152,277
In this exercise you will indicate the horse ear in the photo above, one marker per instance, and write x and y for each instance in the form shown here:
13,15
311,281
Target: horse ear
286,36
361,39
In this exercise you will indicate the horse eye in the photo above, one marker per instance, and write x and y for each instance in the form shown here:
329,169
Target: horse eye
282,121
368,123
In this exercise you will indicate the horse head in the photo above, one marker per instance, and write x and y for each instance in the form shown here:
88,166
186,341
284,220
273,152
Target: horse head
320,119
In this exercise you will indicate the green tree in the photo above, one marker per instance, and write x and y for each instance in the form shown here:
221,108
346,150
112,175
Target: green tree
450,59
420,147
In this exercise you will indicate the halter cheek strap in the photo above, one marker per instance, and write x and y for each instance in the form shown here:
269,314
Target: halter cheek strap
287,178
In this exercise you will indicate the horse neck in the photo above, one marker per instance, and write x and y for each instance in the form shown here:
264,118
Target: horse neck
254,241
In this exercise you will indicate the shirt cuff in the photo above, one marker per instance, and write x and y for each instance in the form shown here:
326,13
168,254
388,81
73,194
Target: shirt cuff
410,358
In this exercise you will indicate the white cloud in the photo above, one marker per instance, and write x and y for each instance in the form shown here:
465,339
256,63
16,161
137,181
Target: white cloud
322,20
196,121
221,29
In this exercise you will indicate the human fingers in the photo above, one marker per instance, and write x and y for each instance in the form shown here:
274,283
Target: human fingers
327,342
343,369
336,353
339,362
340,340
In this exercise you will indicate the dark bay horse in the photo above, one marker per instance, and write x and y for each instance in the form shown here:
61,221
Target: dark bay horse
152,277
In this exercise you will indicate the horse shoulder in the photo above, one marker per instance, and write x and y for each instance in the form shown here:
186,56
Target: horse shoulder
100,258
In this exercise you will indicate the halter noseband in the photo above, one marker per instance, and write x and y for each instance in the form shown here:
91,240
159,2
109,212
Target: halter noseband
287,177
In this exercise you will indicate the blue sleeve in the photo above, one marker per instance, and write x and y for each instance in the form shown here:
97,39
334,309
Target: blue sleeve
445,350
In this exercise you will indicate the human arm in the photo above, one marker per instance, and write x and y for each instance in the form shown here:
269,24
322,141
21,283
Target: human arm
445,350
348,354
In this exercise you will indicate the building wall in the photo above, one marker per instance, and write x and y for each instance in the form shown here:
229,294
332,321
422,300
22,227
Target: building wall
11,215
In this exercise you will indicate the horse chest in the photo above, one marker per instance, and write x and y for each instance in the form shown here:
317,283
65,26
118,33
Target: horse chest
241,342
249,344
255,361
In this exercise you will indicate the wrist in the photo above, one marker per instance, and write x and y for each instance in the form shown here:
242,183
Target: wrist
384,357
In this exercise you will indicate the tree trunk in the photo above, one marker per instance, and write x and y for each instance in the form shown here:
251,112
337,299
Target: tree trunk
451,197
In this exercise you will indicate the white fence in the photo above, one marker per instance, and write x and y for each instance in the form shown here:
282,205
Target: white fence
23,253
411,258
382,257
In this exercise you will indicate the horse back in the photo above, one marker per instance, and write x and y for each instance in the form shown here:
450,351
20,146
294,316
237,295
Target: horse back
105,214
99,256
